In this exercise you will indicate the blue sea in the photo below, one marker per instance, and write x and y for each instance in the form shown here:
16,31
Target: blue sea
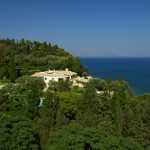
136,71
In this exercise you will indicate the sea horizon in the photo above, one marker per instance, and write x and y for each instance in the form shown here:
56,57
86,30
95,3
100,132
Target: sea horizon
114,57
136,71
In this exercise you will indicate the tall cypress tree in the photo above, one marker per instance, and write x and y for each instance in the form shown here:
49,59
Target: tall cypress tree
12,71
117,112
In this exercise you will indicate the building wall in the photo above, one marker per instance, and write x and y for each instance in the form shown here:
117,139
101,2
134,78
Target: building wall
47,79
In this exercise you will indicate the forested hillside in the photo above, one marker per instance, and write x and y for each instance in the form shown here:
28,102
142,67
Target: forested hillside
24,57
70,118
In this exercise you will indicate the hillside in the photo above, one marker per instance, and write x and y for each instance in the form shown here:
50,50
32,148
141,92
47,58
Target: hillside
65,117
24,57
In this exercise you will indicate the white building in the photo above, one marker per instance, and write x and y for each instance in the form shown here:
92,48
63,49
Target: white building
56,75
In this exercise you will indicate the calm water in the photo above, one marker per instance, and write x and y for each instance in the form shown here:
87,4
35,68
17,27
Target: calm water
136,71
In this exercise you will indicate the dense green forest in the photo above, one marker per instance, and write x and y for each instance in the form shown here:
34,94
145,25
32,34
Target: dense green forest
24,57
71,118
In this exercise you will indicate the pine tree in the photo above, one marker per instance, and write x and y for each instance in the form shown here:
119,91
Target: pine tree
12,72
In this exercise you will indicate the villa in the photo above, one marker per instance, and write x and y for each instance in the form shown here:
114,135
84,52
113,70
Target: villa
56,75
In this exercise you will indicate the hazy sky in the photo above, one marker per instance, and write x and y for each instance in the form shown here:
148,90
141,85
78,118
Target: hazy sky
83,27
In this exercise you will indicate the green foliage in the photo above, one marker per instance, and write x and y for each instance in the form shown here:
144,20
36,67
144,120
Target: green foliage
21,98
16,132
89,101
89,107
75,137
4,52
99,84
36,84
69,103
141,110
77,89
70,117
47,116
119,86
74,64
117,113
18,58
12,74
59,86
84,74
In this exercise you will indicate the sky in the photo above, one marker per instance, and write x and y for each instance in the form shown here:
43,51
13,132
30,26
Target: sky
86,28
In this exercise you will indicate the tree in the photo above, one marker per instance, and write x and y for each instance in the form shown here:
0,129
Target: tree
4,51
69,103
99,84
16,132
117,113
12,74
60,86
141,119
89,107
34,84
75,137
47,116
84,74
76,65
89,101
